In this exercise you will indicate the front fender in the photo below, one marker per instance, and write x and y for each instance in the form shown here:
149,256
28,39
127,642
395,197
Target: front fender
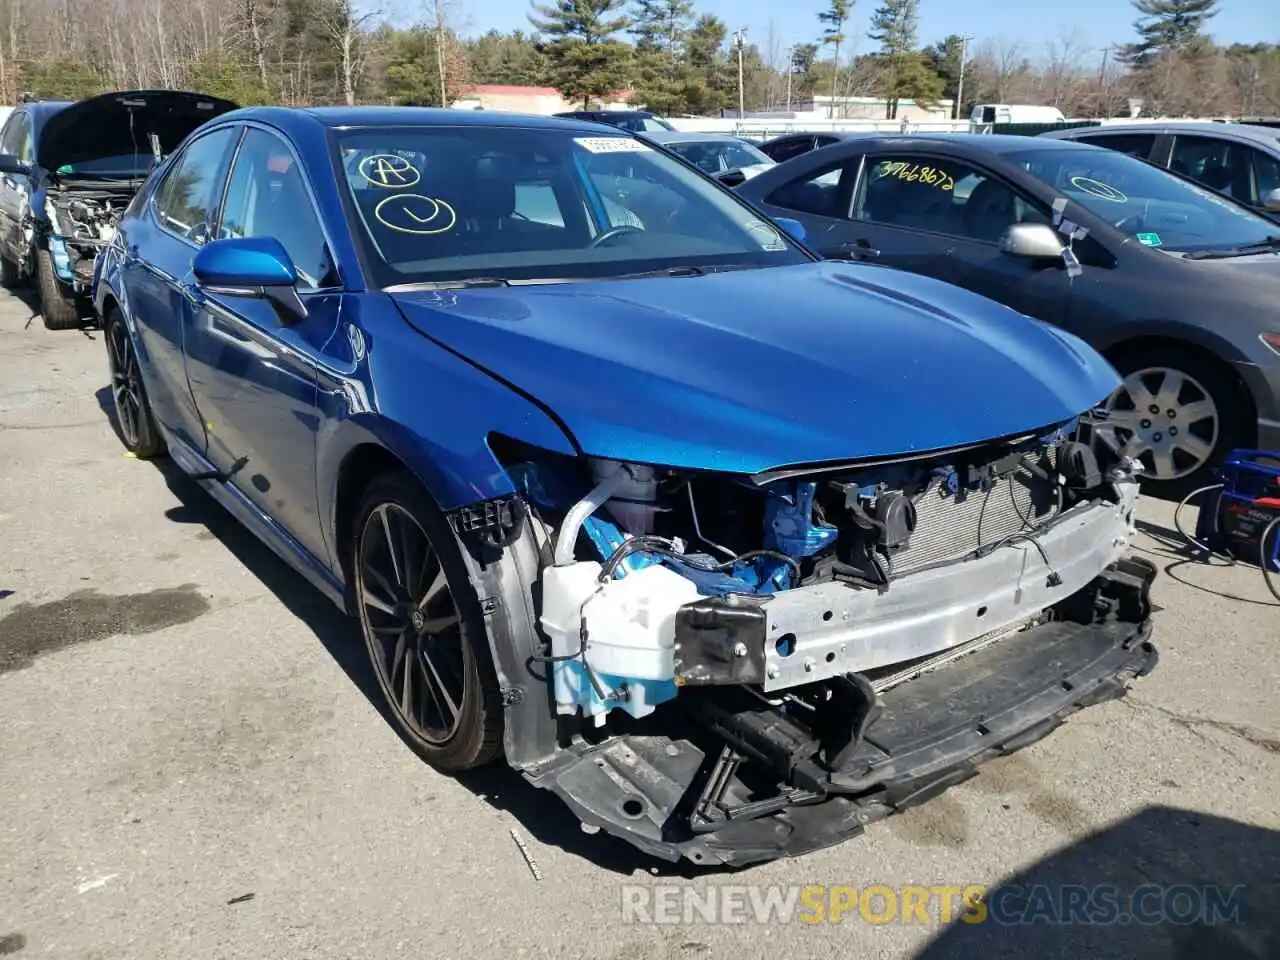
393,388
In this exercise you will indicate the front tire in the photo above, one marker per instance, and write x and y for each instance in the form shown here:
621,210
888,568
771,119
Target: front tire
137,426
60,312
1177,413
422,627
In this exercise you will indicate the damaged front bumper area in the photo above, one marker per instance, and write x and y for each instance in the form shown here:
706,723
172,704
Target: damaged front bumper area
859,641
769,784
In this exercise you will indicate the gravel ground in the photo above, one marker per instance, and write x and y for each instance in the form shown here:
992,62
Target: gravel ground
192,763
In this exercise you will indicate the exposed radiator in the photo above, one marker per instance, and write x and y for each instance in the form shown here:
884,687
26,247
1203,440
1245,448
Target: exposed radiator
949,527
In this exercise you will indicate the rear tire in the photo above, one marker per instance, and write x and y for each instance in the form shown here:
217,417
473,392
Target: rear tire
59,311
134,421
422,626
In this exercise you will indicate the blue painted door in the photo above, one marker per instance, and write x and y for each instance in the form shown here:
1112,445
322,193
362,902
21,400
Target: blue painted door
253,372
159,246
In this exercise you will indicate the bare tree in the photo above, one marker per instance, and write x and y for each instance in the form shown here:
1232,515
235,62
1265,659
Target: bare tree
1061,76
344,26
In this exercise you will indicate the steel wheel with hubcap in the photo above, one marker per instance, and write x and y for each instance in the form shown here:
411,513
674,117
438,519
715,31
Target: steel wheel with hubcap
419,631
133,411
1171,413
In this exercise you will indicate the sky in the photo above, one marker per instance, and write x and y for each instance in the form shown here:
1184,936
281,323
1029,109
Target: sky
1096,23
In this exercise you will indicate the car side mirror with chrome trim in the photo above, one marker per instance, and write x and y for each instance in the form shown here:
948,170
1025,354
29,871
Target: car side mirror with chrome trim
1271,201
11,165
257,267
1035,241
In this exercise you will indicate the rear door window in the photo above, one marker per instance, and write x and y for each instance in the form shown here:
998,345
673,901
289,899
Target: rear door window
1134,144
189,191
824,193
1220,165
786,149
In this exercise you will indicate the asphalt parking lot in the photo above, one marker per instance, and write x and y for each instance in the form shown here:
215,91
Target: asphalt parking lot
192,763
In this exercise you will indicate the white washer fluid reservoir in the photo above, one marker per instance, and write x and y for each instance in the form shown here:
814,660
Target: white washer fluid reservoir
630,636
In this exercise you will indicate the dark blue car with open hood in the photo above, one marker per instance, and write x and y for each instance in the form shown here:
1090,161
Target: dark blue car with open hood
733,549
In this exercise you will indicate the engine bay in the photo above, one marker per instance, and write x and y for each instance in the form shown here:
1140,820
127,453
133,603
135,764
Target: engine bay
82,220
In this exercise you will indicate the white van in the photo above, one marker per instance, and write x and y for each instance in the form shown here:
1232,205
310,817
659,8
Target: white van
987,113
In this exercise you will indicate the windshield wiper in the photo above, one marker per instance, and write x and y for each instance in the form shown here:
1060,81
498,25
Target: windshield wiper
1262,246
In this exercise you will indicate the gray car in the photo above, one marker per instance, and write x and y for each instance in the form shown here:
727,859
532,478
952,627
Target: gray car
729,159
1176,285
1238,160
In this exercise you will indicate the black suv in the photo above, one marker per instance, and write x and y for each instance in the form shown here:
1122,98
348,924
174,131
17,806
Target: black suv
67,172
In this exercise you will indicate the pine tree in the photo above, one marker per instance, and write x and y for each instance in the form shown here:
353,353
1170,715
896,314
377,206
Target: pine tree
907,75
586,59
1167,26
835,17
661,24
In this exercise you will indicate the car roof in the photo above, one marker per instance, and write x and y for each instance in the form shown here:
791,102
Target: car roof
685,136
604,113
42,108
998,143
1232,131
341,117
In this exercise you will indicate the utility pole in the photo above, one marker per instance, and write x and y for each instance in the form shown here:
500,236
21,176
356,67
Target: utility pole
955,107
739,41
1103,97
791,72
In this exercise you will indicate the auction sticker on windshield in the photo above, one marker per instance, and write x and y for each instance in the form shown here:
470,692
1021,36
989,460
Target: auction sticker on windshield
1150,239
611,145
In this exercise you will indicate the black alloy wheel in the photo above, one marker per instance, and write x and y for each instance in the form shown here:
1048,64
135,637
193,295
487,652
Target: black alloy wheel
133,410
422,628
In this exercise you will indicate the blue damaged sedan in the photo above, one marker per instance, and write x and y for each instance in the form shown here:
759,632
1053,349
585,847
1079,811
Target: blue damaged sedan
735,550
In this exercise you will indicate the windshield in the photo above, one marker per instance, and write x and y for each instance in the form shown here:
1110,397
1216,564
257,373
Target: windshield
717,156
449,203
1150,205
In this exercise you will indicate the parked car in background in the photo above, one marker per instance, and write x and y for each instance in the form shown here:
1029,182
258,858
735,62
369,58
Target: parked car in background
989,113
721,155
791,145
1177,286
535,452
67,172
633,121
1237,160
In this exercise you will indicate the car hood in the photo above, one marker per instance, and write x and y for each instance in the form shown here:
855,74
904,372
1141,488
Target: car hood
751,370
100,126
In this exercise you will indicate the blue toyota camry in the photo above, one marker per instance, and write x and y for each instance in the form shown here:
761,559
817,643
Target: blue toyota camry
734,549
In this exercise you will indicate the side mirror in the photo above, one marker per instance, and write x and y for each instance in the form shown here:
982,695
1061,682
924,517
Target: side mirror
10,165
1271,201
1035,241
794,228
257,267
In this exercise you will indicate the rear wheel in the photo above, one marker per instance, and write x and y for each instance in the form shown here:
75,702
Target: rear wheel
137,426
60,311
1178,414
422,627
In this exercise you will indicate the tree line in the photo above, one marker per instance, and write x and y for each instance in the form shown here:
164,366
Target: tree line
672,58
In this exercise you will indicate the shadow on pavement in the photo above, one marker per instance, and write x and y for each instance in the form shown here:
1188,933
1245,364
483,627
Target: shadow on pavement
1176,856
539,813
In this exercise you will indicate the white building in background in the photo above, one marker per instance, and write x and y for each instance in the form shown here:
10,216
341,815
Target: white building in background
850,108
511,98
